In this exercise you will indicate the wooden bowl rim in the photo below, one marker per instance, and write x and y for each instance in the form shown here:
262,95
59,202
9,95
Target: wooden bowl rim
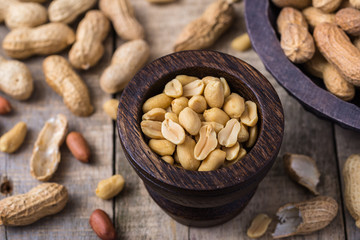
314,98
262,153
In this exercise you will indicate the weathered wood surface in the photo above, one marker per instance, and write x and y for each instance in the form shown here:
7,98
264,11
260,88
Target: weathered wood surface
347,143
136,215
80,179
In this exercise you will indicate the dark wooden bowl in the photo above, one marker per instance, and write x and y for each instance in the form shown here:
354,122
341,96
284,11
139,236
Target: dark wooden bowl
260,18
201,198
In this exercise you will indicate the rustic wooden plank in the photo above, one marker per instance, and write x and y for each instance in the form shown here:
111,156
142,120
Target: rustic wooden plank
347,143
137,215
80,179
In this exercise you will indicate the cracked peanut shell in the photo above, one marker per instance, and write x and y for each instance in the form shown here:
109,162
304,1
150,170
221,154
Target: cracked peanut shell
303,170
305,217
46,154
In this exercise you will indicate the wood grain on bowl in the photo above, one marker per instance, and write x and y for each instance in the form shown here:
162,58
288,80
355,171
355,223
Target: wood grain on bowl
206,198
260,17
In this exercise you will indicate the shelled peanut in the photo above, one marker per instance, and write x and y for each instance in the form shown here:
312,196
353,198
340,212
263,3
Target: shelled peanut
339,69
12,140
199,123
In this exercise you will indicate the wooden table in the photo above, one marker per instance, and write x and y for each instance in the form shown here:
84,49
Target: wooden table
134,213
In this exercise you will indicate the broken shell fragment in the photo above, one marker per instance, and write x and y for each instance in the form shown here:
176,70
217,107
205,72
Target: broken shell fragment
303,170
305,217
46,154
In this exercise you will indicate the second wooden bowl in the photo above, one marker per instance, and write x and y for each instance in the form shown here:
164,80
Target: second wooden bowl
261,18
195,198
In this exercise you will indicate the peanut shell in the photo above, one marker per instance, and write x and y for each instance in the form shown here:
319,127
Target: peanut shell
349,20
121,13
351,177
315,16
64,81
16,80
297,43
289,15
66,11
46,154
305,217
327,5
126,61
204,31
46,39
24,209
88,48
332,43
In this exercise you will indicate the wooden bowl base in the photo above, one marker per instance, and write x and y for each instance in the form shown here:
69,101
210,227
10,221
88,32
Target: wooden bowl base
200,217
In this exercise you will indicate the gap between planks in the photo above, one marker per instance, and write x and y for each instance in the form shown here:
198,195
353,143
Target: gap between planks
342,204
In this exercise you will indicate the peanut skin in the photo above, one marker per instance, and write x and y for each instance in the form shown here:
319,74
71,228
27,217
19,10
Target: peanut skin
88,48
5,106
43,40
102,225
78,146
65,82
